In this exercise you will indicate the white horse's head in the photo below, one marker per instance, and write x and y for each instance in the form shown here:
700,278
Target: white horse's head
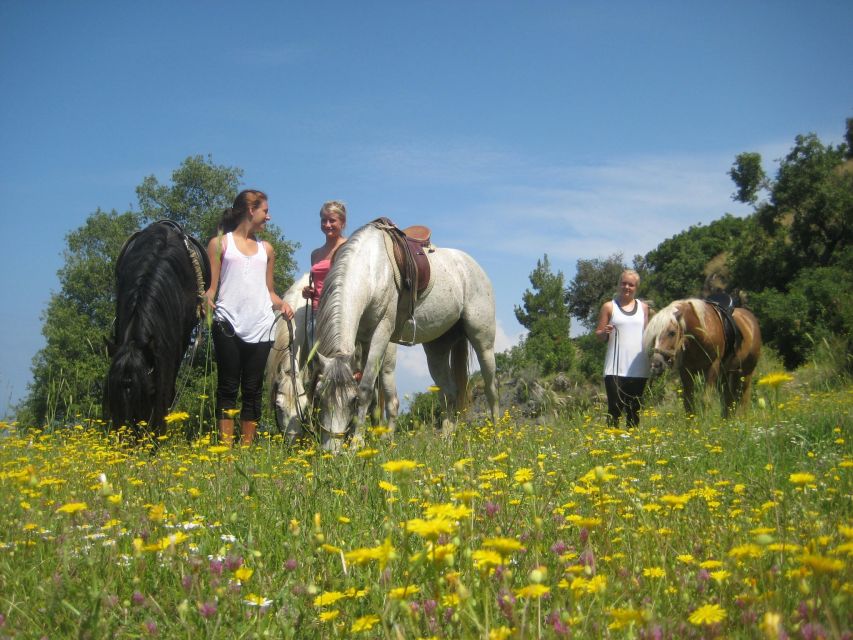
336,396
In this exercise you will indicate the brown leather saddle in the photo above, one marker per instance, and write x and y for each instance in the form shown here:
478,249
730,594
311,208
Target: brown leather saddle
411,246
724,304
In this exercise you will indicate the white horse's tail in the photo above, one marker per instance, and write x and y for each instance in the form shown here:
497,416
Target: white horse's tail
459,370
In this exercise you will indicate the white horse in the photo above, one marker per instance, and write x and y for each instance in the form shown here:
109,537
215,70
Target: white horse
286,371
361,305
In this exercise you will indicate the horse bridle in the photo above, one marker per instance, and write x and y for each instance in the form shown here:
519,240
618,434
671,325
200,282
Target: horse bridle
669,354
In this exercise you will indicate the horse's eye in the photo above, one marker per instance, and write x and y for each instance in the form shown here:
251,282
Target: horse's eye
671,333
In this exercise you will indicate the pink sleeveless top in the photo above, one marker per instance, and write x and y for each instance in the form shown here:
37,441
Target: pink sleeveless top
319,271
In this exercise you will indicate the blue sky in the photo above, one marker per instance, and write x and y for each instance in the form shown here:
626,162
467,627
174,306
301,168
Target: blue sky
512,129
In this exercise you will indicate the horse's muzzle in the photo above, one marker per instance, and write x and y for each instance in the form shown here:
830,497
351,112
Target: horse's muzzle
659,364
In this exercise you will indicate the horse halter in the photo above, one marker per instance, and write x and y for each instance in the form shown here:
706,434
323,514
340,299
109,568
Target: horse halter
669,354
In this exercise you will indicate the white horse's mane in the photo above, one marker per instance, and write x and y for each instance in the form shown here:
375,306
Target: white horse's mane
330,330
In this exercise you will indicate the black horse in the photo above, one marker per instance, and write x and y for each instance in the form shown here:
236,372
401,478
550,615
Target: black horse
161,276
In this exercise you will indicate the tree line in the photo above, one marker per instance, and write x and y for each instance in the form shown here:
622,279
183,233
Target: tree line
790,261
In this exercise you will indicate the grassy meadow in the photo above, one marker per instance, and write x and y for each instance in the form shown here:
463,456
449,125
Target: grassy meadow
687,527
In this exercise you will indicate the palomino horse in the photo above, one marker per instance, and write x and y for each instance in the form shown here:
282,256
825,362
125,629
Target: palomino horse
161,276
287,364
690,336
362,305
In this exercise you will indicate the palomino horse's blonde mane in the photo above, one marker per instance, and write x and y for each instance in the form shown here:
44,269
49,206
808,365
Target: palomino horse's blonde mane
659,322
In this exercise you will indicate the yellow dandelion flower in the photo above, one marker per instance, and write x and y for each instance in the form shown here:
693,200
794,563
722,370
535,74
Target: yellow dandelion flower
532,591
711,564
330,549
503,546
485,558
399,466
243,573
72,507
801,478
467,496
430,529
523,475
218,448
401,593
364,623
501,633
654,572
748,550
366,453
459,465
433,389
157,513
449,511
328,597
230,412
387,486
625,617
707,614
822,564
774,379
177,417
686,558
328,616
500,457
720,576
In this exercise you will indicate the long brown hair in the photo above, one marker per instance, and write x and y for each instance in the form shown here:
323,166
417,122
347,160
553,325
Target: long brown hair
245,201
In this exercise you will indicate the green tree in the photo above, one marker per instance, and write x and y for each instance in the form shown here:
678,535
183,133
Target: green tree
546,316
678,266
795,253
594,283
68,372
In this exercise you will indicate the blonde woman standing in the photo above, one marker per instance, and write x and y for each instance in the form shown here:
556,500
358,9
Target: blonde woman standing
333,221
626,366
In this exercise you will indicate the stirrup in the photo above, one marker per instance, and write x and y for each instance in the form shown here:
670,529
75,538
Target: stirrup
414,331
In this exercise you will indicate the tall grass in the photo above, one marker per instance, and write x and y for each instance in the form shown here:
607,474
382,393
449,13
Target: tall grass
686,527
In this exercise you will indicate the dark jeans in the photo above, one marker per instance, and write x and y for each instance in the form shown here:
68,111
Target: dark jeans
623,396
241,366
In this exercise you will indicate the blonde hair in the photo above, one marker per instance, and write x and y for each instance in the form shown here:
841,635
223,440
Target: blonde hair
629,272
336,207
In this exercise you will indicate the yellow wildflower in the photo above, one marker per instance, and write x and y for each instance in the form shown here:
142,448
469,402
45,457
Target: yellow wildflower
801,478
72,507
707,614
364,623
399,466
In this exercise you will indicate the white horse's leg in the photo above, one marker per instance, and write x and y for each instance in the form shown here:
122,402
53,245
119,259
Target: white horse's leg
388,382
486,358
438,361
372,368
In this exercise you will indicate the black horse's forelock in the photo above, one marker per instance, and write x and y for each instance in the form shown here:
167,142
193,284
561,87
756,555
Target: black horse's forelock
156,311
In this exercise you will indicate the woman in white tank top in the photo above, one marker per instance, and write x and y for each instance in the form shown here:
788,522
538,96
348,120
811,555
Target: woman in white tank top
243,301
626,366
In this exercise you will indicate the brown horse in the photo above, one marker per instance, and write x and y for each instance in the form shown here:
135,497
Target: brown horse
690,336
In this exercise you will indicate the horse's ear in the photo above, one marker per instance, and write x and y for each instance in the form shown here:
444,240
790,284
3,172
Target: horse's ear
323,361
677,313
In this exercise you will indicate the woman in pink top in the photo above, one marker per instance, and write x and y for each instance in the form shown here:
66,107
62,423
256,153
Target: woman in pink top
333,220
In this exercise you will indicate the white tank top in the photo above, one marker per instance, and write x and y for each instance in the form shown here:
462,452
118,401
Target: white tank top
243,298
625,356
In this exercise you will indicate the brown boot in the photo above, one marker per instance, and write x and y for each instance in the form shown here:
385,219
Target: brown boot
249,429
226,431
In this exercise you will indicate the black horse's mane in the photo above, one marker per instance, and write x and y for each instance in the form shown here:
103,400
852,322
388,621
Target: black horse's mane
156,311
